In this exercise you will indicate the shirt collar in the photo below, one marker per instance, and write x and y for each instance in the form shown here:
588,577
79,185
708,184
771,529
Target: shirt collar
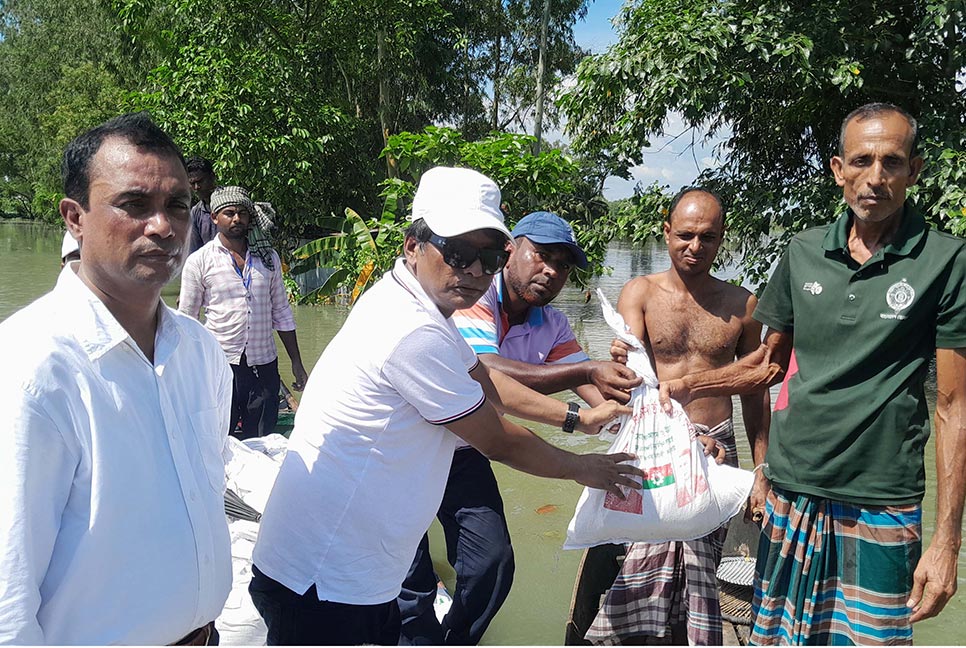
534,315
405,278
96,329
912,229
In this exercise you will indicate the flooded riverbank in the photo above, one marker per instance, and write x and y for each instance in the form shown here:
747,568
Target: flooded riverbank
536,609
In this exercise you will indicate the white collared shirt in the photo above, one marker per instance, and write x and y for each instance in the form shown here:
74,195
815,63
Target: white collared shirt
243,306
369,456
112,523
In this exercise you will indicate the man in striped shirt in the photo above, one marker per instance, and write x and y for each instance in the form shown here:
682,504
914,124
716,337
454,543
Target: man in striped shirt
513,329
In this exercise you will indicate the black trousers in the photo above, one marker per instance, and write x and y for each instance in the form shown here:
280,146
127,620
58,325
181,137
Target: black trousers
303,620
477,546
254,398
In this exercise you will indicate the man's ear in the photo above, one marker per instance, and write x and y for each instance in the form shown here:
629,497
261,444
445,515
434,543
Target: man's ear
410,245
836,163
915,166
73,215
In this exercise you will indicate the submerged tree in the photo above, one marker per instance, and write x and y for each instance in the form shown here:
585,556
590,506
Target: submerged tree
774,79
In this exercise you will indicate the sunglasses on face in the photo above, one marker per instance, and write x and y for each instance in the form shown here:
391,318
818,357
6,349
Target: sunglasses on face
461,255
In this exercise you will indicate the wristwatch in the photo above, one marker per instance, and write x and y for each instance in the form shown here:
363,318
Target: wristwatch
572,417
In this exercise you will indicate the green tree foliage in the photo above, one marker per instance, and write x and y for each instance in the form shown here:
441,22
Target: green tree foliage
363,249
293,99
63,68
509,56
774,79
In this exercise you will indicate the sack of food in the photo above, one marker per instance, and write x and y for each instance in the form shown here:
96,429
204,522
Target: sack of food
684,495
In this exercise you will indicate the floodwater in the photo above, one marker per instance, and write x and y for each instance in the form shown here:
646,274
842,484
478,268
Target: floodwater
536,610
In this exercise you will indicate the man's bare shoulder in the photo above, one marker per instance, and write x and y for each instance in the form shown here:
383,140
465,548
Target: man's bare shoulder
734,295
644,284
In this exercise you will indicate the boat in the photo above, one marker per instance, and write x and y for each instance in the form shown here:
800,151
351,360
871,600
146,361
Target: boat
600,565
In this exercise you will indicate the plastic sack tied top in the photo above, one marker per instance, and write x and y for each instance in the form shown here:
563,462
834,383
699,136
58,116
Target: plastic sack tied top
683,495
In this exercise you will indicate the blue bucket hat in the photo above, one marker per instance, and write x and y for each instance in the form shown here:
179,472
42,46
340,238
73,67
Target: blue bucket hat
549,229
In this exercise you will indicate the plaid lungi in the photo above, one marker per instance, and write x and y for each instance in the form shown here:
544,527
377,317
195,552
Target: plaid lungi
834,573
667,583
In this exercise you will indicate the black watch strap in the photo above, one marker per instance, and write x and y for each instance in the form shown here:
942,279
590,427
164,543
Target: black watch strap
572,417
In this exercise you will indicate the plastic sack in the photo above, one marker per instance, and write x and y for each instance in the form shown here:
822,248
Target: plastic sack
684,495
251,467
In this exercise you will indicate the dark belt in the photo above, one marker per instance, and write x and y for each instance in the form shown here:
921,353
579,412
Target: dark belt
199,637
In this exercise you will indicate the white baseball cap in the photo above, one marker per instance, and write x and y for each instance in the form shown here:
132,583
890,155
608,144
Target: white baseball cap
69,245
455,201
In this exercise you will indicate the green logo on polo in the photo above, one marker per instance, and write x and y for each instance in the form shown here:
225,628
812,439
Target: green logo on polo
813,287
899,297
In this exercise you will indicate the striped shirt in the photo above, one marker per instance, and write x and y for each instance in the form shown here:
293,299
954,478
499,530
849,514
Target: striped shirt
242,305
545,338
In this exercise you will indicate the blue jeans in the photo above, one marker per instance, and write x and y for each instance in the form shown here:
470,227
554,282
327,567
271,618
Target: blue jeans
478,547
303,620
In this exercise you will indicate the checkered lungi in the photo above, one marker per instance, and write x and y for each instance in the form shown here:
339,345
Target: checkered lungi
667,583
832,573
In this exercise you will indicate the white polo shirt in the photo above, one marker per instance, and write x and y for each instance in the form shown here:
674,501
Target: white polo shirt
369,456
112,518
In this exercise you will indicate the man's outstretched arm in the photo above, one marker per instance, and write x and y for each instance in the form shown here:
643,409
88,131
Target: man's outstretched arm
613,380
761,368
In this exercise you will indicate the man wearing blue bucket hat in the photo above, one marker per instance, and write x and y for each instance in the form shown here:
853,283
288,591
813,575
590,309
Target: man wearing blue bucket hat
511,328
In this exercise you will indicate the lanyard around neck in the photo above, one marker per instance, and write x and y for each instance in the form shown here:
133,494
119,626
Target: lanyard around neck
245,276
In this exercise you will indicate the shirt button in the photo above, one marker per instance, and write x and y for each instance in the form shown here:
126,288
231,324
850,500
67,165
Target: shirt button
192,496
851,297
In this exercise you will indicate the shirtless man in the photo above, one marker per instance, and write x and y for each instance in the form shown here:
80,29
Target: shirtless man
689,321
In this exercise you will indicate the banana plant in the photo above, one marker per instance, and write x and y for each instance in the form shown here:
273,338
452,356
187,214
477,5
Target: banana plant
359,251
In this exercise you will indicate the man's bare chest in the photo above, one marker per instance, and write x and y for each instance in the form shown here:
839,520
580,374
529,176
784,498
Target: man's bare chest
680,331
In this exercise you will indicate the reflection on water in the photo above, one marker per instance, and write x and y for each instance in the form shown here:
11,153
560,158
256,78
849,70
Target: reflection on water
536,609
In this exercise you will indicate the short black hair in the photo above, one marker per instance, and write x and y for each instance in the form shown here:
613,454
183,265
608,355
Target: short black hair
137,128
418,230
875,109
198,164
692,189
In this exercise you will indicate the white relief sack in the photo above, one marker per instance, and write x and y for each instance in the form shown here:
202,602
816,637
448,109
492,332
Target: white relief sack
684,495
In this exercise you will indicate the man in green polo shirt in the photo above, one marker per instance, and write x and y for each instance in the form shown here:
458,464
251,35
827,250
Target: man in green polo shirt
866,301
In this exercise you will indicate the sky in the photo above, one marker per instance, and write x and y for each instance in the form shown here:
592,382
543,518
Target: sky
669,163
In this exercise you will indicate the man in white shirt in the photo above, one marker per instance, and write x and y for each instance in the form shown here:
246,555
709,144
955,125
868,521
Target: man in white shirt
112,525
383,411
244,300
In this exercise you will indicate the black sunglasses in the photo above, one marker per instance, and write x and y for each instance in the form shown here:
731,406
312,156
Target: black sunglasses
461,255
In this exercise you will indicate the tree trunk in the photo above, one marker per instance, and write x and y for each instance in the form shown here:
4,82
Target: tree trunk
497,70
383,98
541,66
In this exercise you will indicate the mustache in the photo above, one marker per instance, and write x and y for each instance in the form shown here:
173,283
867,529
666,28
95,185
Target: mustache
166,250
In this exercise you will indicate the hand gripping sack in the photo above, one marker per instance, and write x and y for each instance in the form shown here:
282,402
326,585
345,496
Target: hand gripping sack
684,495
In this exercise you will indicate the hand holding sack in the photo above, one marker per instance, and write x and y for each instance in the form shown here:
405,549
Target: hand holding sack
684,495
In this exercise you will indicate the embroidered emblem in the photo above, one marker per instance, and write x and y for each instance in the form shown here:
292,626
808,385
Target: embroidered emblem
813,287
899,297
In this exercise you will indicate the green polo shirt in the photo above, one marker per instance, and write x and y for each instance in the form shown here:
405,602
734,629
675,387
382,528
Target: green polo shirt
857,421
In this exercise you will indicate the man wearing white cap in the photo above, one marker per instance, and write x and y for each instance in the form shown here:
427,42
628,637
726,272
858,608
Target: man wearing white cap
514,329
380,419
